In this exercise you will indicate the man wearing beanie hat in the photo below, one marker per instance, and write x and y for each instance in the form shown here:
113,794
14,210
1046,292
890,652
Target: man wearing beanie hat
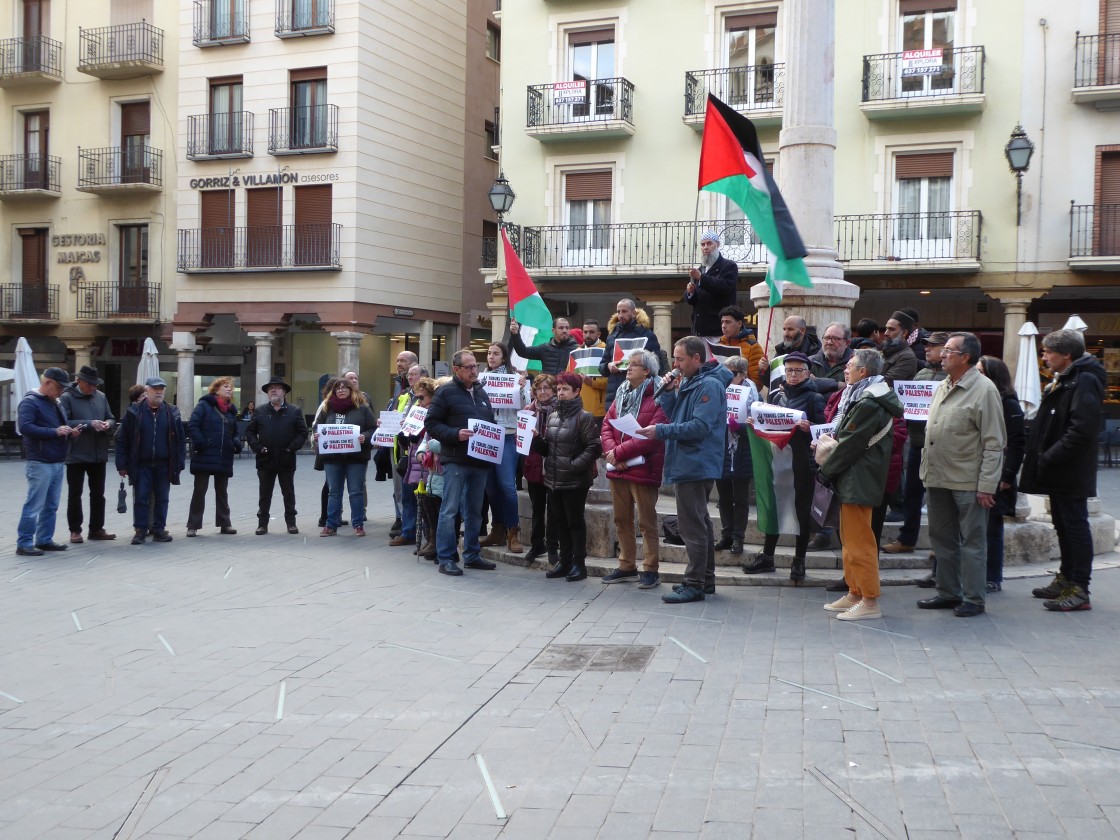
899,361
46,435
711,287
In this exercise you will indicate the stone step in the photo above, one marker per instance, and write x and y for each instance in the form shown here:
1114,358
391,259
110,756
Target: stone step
783,556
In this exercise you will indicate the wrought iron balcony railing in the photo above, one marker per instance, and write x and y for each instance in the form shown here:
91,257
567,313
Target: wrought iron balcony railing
490,245
1097,60
264,248
124,43
761,87
19,302
120,166
581,103
899,237
303,130
37,55
111,301
638,245
1094,230
225,135
30,172
218,22
946,71
296,18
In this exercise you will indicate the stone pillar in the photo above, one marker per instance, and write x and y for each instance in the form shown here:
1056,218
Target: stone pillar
663,324
348,344
807,149
185,345
499,314
425,353
1014,316
263,341
83,355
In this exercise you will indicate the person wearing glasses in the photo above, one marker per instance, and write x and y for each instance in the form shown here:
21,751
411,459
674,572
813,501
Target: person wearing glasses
344,404
464,478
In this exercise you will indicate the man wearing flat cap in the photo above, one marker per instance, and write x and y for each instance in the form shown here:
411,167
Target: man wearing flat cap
151,451
276,433
88,410
711,287
46,435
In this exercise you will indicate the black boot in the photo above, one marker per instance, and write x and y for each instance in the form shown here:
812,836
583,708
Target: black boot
723,544
797,570
578,572
535,552
560,569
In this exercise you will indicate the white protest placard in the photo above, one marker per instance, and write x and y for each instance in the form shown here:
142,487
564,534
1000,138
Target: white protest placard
627,424
739,399
502,389
387,428
777,369
775,418
526,422
822,429
487,442
414,421
585,361
916,397
335,438
623,347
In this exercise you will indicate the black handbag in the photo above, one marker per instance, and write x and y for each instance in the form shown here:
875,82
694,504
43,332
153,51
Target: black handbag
122,499
825,507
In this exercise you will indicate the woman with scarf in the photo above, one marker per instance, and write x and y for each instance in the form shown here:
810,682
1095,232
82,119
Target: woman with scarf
345,406
570,445
857,468
541,540
796,391
634,466
501,486
214,442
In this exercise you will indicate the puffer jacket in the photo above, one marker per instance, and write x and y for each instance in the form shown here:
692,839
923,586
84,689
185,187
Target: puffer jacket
452,406
750,350
214,438
803,397
638,328
552,355
1065,434
39,419
625,448
570,445
90,447
858,472
697,427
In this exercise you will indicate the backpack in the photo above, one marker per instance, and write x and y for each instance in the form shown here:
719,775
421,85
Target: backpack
670,532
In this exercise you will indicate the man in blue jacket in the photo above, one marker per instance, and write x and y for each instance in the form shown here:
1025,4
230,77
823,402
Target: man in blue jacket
695,400
46,436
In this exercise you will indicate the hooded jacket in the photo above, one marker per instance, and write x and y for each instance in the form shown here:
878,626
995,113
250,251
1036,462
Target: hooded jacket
857,471
750,350
39,419
697,427
716,288
214,437
638,328
1065,433
91,446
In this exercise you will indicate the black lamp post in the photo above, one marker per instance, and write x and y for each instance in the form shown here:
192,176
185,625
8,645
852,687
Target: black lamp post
1018,152
501,197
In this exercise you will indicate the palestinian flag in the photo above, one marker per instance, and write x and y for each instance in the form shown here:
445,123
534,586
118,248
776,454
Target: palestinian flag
773,482
731,163
525,306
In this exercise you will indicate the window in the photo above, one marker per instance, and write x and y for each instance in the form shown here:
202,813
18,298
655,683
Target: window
591,57
308,125
310,14
227,19
493,42
132,276
35,20
217,233
34,300
313,233
923,202
226,117
36,134
136,164
587,206
749,48
1108,204
491,140
927,26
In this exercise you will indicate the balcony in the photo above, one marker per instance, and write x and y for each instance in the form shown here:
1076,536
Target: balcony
1096,71
757,92
941,242
30,61
581,110
923,83
219,23
304,130
1094,237
120,170
111,302
19,302
633,249
29,176
254,249
220,136
301,18
124,51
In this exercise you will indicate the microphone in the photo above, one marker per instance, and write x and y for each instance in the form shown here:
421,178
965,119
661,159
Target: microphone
672,377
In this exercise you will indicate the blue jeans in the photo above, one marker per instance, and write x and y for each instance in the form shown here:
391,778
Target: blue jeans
44,488
501,486
408,511
463,486
353,476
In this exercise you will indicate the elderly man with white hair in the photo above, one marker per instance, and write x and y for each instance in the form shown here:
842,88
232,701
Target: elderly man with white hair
711,287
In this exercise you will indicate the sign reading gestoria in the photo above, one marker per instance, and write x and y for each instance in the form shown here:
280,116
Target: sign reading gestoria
77,240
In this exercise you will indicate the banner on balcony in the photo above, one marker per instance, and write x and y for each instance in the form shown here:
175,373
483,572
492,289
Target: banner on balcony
525,307
731,163
921,63
570,93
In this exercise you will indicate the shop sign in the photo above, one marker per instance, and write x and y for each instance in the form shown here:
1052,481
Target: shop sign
77,240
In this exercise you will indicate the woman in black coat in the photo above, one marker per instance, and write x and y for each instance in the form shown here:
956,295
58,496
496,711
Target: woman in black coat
214,442
1007,492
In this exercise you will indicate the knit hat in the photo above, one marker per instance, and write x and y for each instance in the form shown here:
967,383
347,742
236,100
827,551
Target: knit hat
904,321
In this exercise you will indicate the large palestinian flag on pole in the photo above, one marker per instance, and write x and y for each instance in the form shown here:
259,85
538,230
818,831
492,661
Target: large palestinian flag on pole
731,163
525,306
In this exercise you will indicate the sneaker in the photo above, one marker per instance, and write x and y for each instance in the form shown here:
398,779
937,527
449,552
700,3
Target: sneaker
328,531
897,547
191,532
841,604
994,586
684,595
821,542
359,531
1073,598
859,612
760,564
1054,589
709,589
620,575
648,580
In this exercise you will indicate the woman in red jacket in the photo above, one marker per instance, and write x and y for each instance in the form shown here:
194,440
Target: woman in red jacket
634,467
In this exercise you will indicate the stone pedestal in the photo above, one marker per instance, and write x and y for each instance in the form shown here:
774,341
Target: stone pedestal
830,299
425,355
263,342
499,314
662,315
348,345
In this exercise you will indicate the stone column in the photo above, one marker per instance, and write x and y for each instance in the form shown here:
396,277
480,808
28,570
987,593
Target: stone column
83,355
348,344
185,344
1014,316
425,353
663,324
499,314
263,341
807,150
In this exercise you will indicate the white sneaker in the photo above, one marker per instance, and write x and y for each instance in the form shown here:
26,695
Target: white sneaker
859,612
844,602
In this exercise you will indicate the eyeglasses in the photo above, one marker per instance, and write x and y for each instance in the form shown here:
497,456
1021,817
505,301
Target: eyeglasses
798,371
834,338
342,387
945,350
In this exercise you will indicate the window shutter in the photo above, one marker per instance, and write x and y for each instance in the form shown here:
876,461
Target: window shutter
1110,178
129,11
1111,15
928,165
263,207
34,249
307,74
313,205
592,36
136,119
217,208
588,186
917,7
756,21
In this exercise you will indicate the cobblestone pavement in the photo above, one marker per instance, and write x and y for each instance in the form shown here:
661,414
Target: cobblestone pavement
278,686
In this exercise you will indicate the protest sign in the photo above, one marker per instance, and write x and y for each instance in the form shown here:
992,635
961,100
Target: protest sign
916,397
387,429
623,347
775,418
822,429
414,421
585,361
335,438
739,399
487,442
720,352
526,422
502,389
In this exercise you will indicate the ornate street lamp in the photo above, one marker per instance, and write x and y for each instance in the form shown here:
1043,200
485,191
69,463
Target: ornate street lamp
1018,152
501,197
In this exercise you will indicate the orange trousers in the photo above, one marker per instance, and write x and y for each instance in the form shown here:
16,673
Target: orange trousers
861,553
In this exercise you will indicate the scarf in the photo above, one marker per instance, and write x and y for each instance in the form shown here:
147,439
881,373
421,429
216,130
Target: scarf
224,405
629,399
851,394
340,405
